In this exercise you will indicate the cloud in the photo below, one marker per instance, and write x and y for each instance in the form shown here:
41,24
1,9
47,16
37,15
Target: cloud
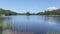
52,8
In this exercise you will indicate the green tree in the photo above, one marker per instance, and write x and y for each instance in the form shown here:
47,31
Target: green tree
28,13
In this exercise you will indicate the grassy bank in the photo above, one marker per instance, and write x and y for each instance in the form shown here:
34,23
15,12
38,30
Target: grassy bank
7,26
1,28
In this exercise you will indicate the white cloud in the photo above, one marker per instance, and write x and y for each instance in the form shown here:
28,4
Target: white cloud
52,8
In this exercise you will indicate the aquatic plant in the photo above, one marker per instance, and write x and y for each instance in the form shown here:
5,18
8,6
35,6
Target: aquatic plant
2,26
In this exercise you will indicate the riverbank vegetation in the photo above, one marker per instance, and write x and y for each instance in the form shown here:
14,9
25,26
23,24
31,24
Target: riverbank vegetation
52,12
46,12
2,26
4,12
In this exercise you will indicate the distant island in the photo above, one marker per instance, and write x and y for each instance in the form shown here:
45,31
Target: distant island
4,12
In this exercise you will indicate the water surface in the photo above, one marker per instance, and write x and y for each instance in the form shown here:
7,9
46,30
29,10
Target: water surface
36,24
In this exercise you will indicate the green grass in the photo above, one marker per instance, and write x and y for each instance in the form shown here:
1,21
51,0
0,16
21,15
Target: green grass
7,25
1,28
1,25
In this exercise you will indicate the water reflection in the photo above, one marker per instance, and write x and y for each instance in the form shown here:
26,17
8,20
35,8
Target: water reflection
52,20
36,24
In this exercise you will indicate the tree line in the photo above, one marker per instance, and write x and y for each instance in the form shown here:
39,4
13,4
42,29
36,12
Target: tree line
7,12
46,12
50,12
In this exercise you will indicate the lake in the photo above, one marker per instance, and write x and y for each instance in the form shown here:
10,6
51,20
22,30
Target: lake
36,24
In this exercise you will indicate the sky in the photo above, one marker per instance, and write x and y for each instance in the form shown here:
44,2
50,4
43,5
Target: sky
33,6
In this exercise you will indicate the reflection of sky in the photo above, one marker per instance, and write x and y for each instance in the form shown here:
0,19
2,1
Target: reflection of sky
27,19
52,20
34,23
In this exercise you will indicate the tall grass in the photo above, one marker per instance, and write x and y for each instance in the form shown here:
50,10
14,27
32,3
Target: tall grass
1,28
7,26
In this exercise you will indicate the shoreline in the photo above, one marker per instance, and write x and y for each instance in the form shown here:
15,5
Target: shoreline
15,32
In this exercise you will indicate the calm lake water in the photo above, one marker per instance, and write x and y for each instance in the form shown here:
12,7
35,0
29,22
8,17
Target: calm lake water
36,24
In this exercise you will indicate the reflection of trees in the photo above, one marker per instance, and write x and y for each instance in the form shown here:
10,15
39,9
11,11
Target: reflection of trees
28,17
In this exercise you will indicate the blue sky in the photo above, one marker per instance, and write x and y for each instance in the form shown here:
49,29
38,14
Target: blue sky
29,5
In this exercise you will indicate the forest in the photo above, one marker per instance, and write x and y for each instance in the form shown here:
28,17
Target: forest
4,12
52,12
